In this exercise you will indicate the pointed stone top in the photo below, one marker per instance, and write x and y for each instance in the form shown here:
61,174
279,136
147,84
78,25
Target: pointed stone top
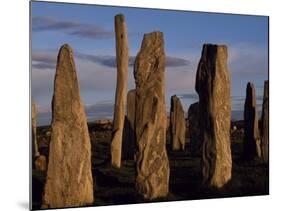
175,98
120,17
250,85
152,42
66,47
32,101
250,95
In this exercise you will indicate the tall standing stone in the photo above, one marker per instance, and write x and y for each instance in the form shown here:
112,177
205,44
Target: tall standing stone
38,161
213,87
177,124
251,125
122,60
152,165
69,180
194,129
265,123
129,141
35,151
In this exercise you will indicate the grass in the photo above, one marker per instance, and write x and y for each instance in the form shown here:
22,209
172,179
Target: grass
117,186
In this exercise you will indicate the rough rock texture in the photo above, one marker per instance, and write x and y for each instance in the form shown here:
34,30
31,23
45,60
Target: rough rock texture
213,87
177,124
265,124
251,125
122,60
69,181
194,131
35,151
152,165
129,141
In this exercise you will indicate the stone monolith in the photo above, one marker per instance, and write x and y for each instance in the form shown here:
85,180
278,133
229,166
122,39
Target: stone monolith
69,181
252,141
38,160
194,130
265,124
35,151
177,124
213,87
152,165
122,61
129,141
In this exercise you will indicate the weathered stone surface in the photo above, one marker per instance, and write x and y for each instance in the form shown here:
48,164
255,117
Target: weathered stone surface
177,124
265,124
122,60
129,141
194,129
251,125
213,87
69,180
35,151
152,165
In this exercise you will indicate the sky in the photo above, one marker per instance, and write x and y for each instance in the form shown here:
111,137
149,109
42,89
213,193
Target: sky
89,30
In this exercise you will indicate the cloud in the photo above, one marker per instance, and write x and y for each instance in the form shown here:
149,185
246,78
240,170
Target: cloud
101,108
176,62
46,59
45,23
74,28
110,61
92,32
248,59
43,65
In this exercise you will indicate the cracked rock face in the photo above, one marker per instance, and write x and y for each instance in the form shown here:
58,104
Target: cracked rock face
213,87
251,125
177,124
265,124
122,60
152,165
69,181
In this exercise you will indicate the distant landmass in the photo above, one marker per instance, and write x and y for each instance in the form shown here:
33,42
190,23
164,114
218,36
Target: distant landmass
45,118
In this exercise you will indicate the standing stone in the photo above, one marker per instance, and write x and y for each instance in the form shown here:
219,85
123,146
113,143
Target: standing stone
194,129
35,151
69,180
122,60
213,87
129,142
265,124
177,124
252,141
152,165
38,161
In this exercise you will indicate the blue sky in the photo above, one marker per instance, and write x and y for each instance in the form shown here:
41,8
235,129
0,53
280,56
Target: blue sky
89,29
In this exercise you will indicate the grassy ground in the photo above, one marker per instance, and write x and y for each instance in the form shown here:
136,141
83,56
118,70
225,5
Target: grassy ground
116,186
